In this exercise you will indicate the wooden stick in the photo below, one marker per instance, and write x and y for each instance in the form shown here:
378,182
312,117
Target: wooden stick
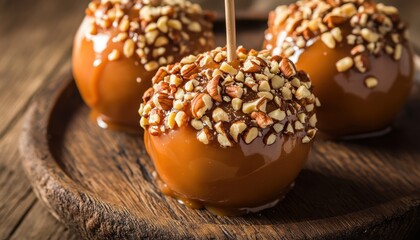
230,29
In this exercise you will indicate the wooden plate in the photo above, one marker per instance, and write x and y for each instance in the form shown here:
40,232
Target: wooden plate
100,183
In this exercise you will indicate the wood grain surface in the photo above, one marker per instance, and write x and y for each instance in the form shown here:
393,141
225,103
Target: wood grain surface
35,48
366,189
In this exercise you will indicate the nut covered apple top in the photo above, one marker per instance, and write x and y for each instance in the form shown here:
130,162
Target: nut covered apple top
155,31
257,95
368,27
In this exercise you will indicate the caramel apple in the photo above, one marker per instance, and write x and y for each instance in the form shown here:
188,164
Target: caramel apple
357,55
229,136
121,44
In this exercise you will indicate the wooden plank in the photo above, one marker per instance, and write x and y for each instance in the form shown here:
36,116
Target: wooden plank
39,224
17,196
35,40
356,189
34,43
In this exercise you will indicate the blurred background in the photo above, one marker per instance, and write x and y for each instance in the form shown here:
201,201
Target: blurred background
253,9
15,13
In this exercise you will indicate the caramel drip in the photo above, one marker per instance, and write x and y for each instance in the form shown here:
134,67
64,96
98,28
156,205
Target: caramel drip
96,77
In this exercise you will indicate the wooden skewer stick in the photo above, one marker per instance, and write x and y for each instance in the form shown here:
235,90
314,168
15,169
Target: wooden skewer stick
230,29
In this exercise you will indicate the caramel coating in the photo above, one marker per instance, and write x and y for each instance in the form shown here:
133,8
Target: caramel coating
233,181
229,136
359,99
348,106
110,88
118,49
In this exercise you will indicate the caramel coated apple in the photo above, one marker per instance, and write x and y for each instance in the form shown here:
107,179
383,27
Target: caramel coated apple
230,137
357,55
121,44
227,181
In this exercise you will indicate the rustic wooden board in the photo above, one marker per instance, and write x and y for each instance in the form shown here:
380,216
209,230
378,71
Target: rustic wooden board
35,45
99,183
35,42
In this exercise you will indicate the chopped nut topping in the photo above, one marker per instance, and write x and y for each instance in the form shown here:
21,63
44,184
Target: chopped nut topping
277,82
236,129
228,103
114,55
278,115
124,24
256,105
213,88
171,120
336,32
302,93
266,95
271,139
219,115
389,10
129,48
302,117
369,36
344,64
287,94
290,129
398,52
287,67
361,62
298,126
194,27
358,49
237,104
188,70
200,104
224,140
151,31
262,119
93,30
251,135
188,59
204,136
234,91
225,67
197,124
371,82
313,120
151,66
175,24
306,139
180,118
375,28
328,40
144,122
278,127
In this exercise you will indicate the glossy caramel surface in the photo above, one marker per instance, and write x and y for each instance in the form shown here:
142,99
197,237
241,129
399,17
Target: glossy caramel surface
229,181
349,107
113,89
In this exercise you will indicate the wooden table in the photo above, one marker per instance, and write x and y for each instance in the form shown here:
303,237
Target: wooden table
35,44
